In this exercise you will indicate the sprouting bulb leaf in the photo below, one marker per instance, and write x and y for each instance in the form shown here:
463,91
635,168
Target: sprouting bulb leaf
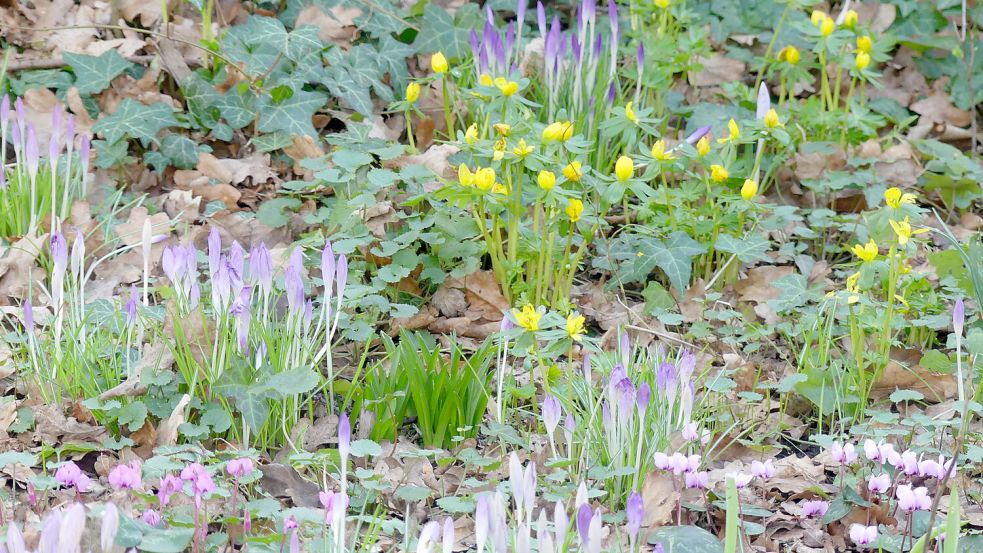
94,74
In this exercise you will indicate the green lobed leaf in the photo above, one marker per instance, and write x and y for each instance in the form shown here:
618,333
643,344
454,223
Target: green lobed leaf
292,116
747,249
685,539
135,120
95,73
294,381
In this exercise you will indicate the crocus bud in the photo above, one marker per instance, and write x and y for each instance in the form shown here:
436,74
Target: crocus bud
541,18
643,397
344,437
428,537
84,152
4,110
31,151
110,526
327,268
551,414
959,316
54,148
447,540
59,254
73,524
763,103
481,519
640,59
584,517
635,510
28,316
214,251
341,276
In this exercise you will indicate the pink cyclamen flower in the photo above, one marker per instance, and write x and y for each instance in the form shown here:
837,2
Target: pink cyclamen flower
680,463
697,480
879,483
814,509
863,535
741,480
909,462
844,454
662,461
201,481
690,432
762,470
152,517
910,500
125,477
169,485
70,476
239,467
335,506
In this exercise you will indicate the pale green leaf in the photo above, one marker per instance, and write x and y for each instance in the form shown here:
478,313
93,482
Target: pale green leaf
95,73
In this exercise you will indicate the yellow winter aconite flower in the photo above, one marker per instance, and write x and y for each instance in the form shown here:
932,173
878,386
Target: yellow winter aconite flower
528,318
522,149
559,131
630,113
659,151
500,188
790,54
827,27
864,44
749,189
771,119
703,146
573,171
852,288
718,173
546,180
662,4
850,19
464,175
498,149
575,209
471,135
575,326
903,230
486,80
438,63
502,129
507,87
412,92
733,132
817,17
862,61
865,252
484,179
894,197
624,168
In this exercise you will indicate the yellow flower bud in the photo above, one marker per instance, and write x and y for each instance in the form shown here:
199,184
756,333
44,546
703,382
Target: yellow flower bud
662,4
438,63
464,175
850,19
485,80
703,146
749,189
573,171
733,132
558,131
630,113
864,44
624,168
827,27
503,129
507,87
771,119
471,135
790,54
718,173
546,180
862,61
484,179
575,326
412,92
659,151
866,252
574,210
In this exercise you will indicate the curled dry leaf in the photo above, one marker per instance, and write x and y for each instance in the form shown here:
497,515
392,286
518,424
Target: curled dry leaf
167,429
336,25
659,496
283,482
17,268
718,69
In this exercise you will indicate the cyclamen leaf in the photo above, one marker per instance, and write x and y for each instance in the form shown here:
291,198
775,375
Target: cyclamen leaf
135,120
293,115
294,381
271,211
95,73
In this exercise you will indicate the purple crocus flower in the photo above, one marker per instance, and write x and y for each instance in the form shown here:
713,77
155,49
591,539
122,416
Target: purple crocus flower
28,316
130,309
698,134
328,265
261,268
481,519
240,312
21,112
626,398
541,18
5,110
665,376
640,59
293,284
612,94
520,13
551,414
214,251
59,254
31,151
70,132
635,510
643,397
344,437
569,426
84,152
237,257
15,539
72,526
584,516
958,316
50,532
54,148
56,114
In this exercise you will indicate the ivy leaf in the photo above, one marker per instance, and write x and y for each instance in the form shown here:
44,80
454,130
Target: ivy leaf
748,250
675,257
438,33
181,151
135,120
353,76
94,73
293,115
392,60
794,291
267,30
302,41
237,108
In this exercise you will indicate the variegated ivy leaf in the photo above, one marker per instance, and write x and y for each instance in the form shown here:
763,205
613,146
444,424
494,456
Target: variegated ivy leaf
94,73
135,120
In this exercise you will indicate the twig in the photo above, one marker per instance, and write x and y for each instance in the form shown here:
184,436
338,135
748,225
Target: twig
55,63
